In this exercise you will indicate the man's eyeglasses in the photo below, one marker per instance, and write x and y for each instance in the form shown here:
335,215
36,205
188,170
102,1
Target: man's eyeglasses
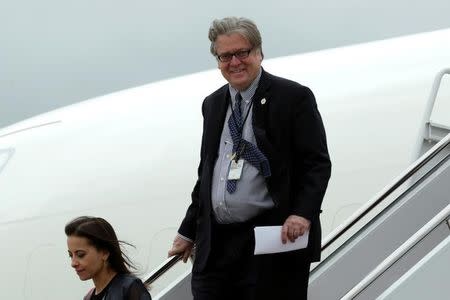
227,57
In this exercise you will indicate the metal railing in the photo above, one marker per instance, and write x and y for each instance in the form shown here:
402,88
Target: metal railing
407,174
161,269
395,256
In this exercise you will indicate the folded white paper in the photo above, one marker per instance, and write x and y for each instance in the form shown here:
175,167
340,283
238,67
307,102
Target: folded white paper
268,240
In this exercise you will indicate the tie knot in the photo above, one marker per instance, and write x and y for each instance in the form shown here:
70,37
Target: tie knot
237,104
238,98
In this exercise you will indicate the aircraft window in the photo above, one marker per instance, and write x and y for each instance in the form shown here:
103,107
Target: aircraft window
5,155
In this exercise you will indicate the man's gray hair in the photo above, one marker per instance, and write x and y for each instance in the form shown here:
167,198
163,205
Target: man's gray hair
243,26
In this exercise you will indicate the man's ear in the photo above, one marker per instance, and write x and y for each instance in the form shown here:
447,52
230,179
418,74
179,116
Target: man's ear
261,55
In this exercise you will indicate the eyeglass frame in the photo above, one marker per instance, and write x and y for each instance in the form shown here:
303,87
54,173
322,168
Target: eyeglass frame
240,54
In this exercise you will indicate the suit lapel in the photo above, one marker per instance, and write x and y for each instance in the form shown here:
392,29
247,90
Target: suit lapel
261,113
217,111
260,106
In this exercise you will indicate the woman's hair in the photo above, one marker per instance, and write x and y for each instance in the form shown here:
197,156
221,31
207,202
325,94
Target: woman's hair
101,235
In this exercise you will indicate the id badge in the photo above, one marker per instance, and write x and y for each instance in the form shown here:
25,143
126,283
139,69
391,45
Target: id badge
235,169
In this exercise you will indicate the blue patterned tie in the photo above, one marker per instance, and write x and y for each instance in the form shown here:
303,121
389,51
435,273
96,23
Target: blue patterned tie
251,153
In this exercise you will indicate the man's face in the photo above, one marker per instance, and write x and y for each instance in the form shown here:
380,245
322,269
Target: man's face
240,73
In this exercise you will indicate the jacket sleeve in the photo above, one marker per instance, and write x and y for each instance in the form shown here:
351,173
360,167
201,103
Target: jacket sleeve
188,225
312,162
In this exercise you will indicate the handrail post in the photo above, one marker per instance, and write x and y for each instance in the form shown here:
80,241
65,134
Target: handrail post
431,101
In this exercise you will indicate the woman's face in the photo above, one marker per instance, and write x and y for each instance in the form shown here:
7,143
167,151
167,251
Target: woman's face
88,261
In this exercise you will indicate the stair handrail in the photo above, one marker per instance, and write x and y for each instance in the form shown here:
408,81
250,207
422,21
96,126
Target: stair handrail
403,177
442,216
162,268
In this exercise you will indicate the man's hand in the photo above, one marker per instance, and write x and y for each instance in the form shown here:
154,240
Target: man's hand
182,247
293,227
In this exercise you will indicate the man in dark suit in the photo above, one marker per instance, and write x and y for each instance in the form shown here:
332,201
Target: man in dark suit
264,161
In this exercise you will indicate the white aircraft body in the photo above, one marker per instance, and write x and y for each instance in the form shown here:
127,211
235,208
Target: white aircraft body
131,156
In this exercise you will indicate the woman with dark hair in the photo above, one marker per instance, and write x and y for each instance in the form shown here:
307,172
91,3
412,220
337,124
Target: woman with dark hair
96,254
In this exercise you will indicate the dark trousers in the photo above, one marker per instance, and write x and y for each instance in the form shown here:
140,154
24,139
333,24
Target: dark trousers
234,272
230,271
282,276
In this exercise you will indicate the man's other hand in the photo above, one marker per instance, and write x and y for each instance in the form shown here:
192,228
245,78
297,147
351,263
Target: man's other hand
293,227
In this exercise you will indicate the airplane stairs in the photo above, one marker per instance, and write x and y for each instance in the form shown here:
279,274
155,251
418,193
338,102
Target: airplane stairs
373,240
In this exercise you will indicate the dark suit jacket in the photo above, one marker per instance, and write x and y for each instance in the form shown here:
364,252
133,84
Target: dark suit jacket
289,131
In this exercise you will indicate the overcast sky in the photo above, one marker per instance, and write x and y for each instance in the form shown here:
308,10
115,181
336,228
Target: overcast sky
53,52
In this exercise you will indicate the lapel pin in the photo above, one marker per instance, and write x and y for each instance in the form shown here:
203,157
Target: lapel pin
263,101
